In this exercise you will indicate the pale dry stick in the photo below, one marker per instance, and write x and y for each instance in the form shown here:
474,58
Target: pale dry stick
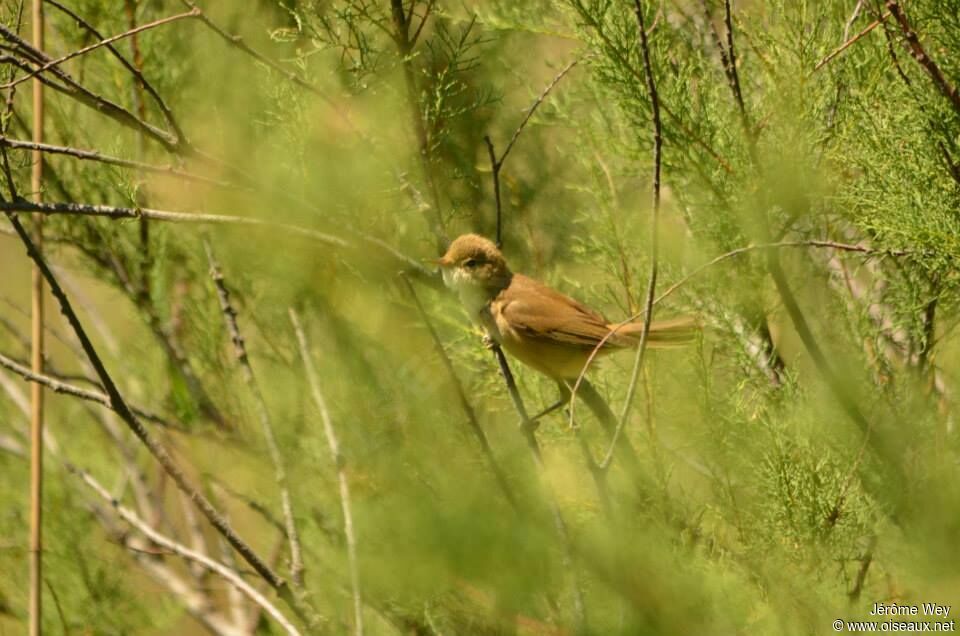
159,452
183,551
99,157
263,414
496,164
472,420
339,463
36,352
96,45
843,47
196,603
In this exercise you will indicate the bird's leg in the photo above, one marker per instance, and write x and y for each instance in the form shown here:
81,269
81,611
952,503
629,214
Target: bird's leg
549,409
489,343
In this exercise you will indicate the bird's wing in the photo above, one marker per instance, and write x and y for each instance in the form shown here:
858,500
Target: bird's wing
541,313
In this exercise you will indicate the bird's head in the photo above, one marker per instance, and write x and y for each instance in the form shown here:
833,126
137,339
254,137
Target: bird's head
473,264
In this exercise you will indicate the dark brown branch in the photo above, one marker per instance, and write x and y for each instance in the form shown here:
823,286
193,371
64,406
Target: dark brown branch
401,37
90,99
260,405
654,227
527,429
862,571
920,54
496,164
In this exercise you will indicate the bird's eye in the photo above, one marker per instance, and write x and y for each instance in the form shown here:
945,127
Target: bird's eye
470,263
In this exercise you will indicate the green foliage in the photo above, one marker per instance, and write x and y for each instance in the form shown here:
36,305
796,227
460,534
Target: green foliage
758,504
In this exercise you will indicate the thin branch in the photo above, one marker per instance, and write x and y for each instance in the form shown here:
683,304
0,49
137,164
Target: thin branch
136,72
159,452
654,228
496,164
183,551
472,422
843,47
401,37
90,99
60,60
115,212
338,460
57,385
280,472
939,79
533,108
97,156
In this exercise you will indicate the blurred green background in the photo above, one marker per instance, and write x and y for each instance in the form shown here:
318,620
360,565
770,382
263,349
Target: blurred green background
759,505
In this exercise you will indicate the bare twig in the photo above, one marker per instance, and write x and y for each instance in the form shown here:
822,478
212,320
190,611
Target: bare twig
97,156
114,212
59,386
280,472
405,43
183,551
338,460
60,60
865,562
496,164
843,47
472,421
133,68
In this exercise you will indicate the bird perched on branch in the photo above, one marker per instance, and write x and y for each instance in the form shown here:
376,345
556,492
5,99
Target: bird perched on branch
539,326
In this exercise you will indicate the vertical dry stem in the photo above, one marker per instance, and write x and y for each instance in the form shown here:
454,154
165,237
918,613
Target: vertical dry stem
334,443
36,355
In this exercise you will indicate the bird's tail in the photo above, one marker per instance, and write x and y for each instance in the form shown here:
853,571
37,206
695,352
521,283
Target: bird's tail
673,332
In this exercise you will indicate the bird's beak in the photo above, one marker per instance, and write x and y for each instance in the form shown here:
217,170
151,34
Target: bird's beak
443,261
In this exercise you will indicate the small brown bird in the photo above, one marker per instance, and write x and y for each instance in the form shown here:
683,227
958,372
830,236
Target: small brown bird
541,327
